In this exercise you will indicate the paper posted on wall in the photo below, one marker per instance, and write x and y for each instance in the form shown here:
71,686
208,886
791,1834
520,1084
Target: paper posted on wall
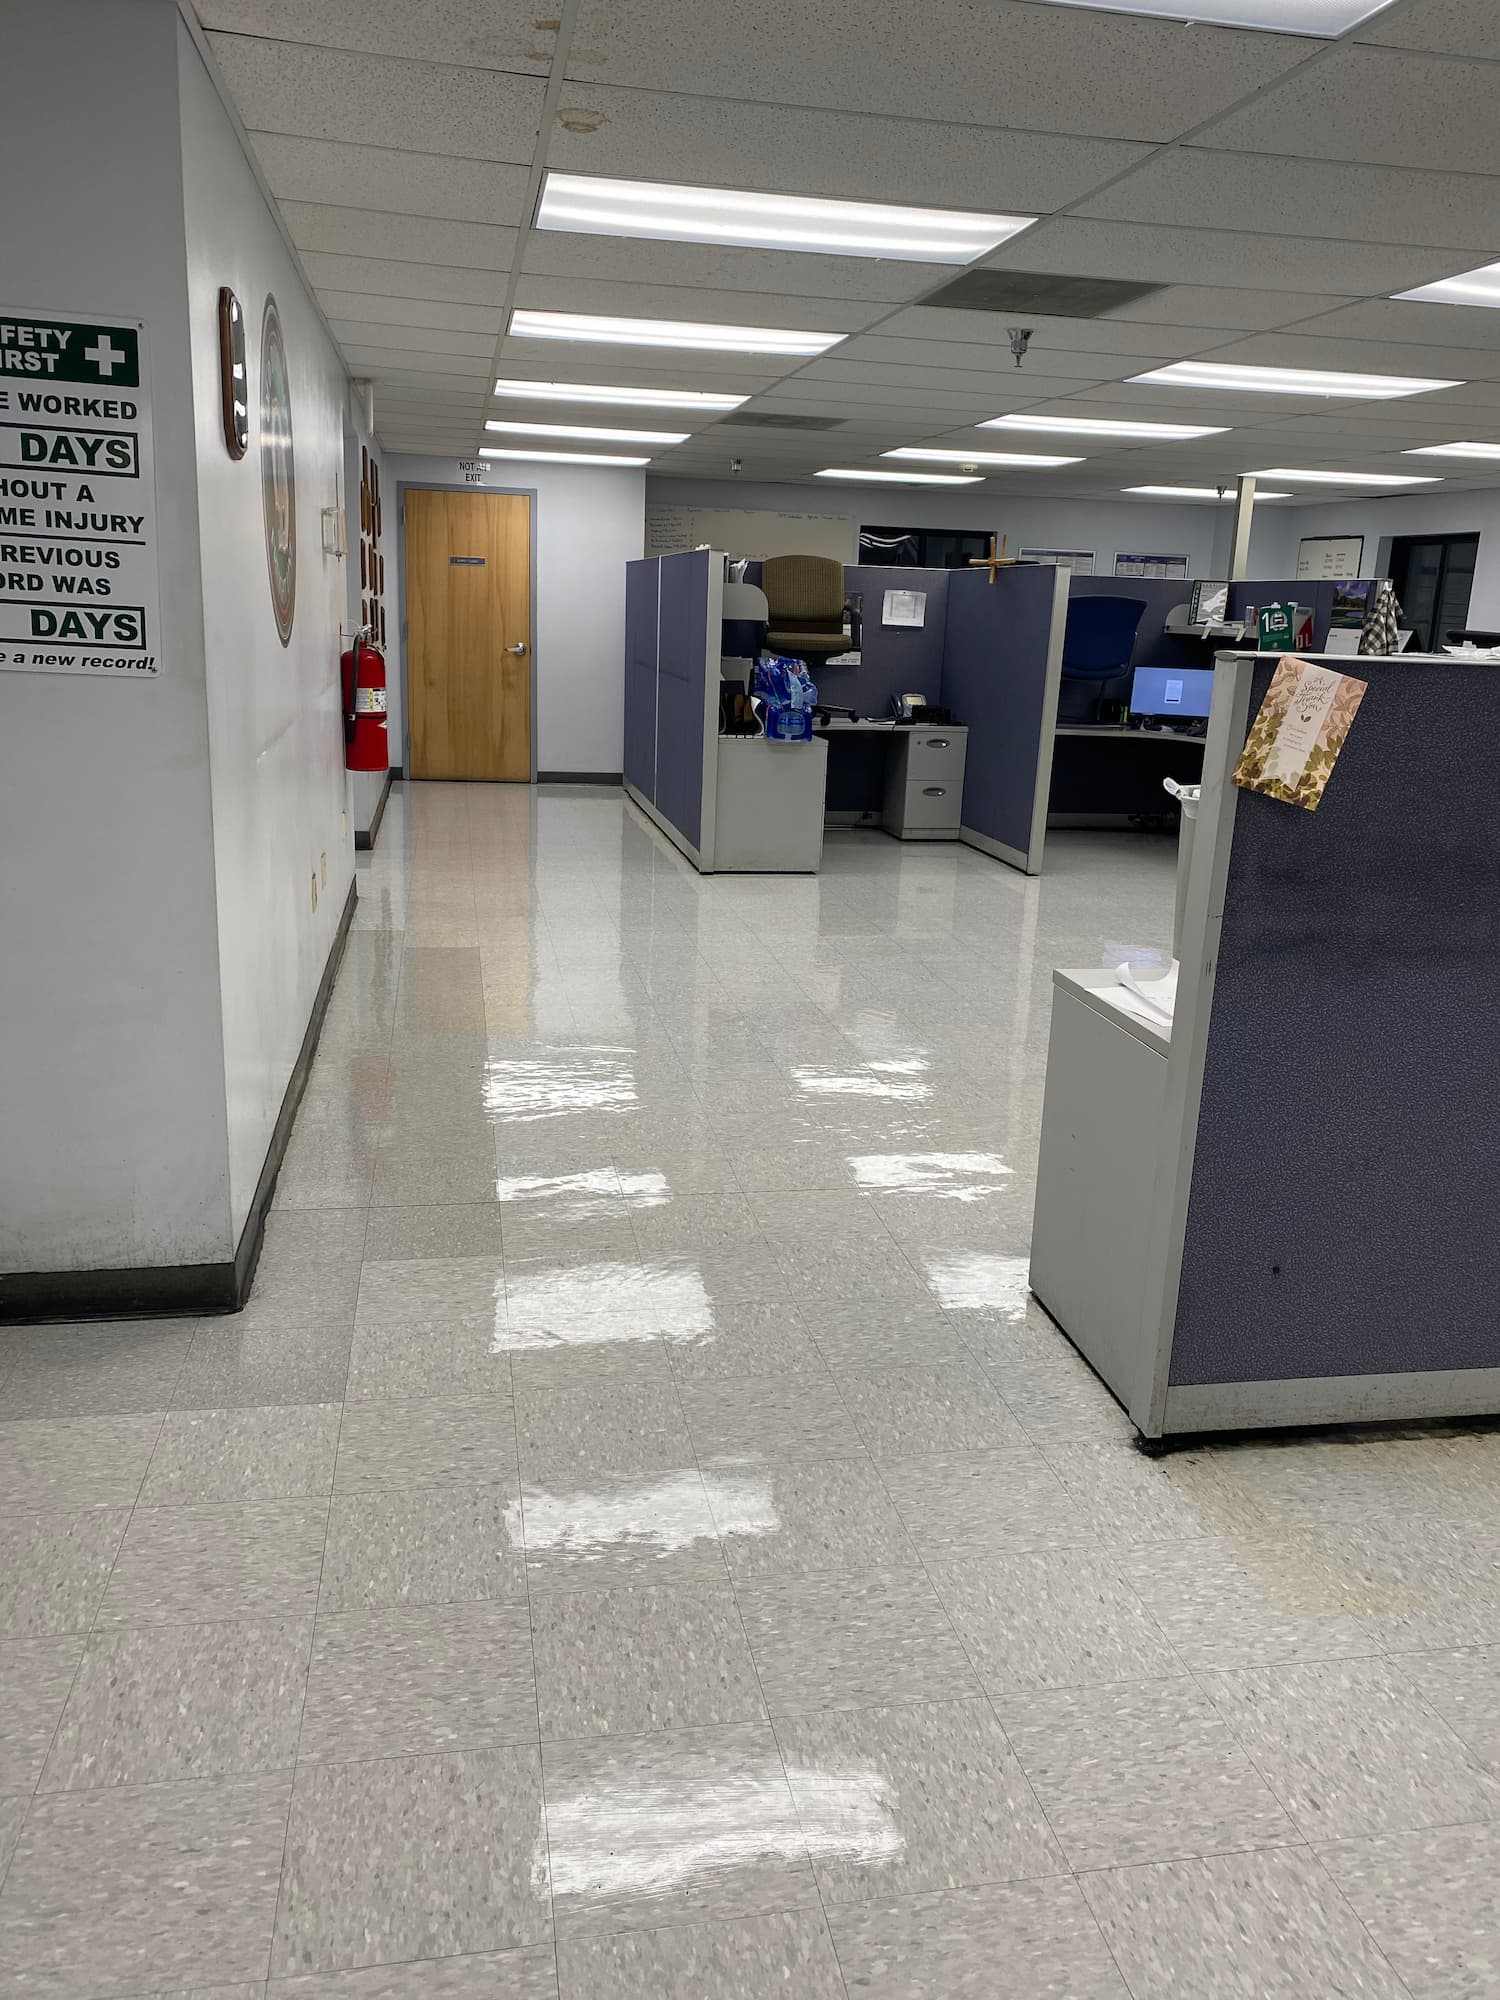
1295,740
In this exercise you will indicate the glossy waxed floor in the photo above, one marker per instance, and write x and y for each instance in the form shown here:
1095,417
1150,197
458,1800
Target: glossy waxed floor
640,1543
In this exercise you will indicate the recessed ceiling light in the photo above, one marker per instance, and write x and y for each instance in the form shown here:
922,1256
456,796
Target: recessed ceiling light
1459,450
1196,493
1301,476
1479,287
602,392
600,436
564,457
1104,427
1284,17
660,210
1288,381
902,478
605,330
1023,458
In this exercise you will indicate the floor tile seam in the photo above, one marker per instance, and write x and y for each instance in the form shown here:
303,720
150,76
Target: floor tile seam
1339,1892
317,1598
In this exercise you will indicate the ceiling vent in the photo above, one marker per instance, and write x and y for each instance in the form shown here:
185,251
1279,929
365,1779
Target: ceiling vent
1041,292
780,420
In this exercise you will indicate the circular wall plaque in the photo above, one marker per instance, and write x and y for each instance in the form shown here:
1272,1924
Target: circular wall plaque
278,476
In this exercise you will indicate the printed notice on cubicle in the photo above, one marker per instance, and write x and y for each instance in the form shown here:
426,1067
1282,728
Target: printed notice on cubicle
904,607
78,574
1296,738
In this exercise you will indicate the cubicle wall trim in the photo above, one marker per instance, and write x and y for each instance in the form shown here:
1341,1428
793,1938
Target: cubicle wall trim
656,700
1196,1408
997,849
1051,700
1203,915
713,624
679,840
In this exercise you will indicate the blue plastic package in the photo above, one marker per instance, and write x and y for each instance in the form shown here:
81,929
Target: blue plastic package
783,685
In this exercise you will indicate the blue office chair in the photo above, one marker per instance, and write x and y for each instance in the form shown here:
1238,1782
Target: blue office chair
1099,639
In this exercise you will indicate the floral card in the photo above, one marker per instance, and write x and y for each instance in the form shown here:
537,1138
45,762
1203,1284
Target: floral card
1294,742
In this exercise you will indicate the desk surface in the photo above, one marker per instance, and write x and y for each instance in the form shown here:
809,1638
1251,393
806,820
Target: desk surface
1114,732
885,725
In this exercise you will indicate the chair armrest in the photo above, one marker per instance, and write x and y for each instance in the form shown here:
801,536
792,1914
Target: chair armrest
856,622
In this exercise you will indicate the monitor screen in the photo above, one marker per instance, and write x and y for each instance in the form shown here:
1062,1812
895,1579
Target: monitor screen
1209,604
1176,692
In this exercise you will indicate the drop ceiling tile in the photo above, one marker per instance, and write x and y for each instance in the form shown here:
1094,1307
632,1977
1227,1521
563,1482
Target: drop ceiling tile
411,312
1446,27
989,363
582,361
786,148
414,339
920,327
365,232
403,365
404,183
713,267
475,34
877,375
1007,64
1385,106
1223,308
637,301
391,278
1204,189
334,94
1472,328
1157,254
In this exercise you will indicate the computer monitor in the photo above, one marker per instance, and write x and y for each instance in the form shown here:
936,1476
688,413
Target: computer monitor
1177,694
1209,603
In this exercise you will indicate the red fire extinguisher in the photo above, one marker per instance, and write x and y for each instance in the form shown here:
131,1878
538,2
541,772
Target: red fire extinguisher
362,672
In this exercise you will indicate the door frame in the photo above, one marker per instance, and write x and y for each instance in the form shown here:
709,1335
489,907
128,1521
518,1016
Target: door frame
403,487
1445,541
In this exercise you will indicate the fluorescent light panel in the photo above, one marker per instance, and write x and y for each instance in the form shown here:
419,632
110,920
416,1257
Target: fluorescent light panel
564,457
1288,381
1480,287
1302,476
901,478
1282,17
600,436
1105,427
1196,493
665,212
603,392
1023,458
1458,450
603,329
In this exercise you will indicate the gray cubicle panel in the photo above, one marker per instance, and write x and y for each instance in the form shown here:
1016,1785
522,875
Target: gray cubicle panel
1337,1257
1002,665
672,693
894,659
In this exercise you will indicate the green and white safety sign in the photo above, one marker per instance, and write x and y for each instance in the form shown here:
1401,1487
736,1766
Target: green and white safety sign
78,553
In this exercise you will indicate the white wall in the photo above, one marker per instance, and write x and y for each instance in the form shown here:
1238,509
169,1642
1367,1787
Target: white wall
1198,530
1417,514
276,754
112,1121
587,523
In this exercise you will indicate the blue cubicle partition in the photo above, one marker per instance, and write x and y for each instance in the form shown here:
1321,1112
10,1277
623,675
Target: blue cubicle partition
674,608
642,610
1002,667
894,659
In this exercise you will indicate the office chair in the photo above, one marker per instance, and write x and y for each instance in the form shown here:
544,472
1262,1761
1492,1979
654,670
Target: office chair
1099,640
805,599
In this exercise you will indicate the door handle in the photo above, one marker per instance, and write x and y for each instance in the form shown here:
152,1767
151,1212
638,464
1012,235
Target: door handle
517,649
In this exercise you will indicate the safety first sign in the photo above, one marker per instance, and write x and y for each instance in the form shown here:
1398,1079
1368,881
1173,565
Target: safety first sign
78,556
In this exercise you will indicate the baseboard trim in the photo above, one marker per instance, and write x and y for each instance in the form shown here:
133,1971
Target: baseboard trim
169,1291
996,848
580,777
679,840
363,842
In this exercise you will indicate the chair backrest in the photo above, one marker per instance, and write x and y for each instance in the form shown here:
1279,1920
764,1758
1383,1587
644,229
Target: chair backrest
800,587
1099,637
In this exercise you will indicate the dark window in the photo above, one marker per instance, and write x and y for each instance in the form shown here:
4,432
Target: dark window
921,548
1433,575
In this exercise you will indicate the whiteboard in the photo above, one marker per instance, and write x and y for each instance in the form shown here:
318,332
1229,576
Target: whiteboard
670,527
1330,555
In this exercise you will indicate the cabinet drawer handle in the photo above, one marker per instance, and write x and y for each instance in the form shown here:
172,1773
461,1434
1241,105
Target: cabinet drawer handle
934,791
936,742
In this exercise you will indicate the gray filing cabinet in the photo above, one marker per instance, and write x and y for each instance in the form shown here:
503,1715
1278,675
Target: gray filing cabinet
924,782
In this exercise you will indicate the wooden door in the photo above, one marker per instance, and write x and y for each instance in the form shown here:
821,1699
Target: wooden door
468,635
